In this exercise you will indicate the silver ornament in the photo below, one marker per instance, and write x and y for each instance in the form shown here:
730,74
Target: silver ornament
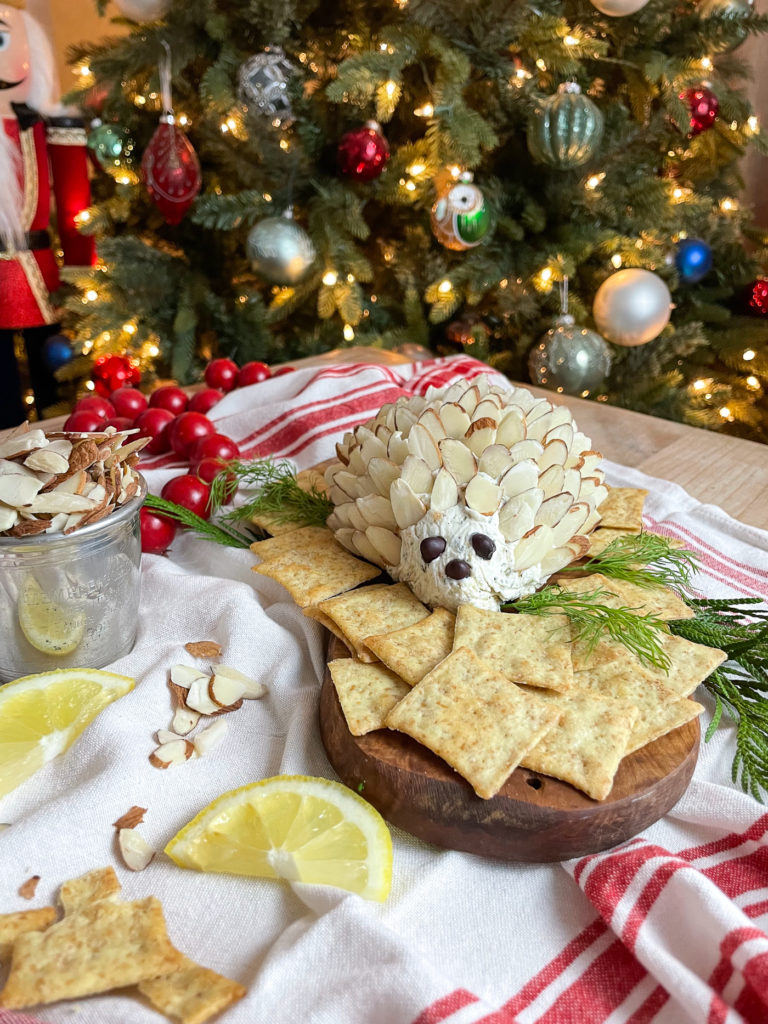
263,84
569,359
143,10
735,10
280,250
618,8
632,307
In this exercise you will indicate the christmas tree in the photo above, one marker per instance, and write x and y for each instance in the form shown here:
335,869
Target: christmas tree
337,144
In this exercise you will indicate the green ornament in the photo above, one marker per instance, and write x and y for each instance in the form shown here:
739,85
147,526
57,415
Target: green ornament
460,217
566,129
111,146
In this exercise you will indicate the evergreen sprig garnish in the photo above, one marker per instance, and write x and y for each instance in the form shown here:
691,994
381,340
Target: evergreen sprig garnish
278,495
646,560
220,533
592,619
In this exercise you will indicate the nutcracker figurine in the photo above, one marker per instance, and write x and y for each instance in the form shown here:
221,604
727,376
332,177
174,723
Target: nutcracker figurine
34,150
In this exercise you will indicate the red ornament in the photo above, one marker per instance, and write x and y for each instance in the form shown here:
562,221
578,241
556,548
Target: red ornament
95,404
171,170
188,428
169,397
112,372
363,153
203,401
155,423
704,107
128,402
756,298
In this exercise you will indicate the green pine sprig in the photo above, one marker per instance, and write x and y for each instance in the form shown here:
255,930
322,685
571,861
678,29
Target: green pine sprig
278,494
647,560
219,533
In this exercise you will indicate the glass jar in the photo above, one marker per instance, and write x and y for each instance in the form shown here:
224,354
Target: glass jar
71,601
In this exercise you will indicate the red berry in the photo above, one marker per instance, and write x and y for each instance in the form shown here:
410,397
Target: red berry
283,369
221,373
120,423
169,397
208,469
157,532
203,401
154,423
94,403
215,446
128,402
84,421
188,428
189,491
253,373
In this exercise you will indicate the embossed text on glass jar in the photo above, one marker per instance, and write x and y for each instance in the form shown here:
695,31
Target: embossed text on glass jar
71,600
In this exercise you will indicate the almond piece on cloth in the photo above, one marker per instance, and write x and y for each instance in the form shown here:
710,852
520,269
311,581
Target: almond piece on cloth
135,850
28,889
203,649
192,994
14,925
102,946
132,817
175,752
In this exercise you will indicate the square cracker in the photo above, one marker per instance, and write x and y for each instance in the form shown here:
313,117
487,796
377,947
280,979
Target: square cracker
103,945
13,925
475,719
602,537
589,742
330,625
314,574
98,884
272,526
530,649
367,693
192,994
370,611
299,539
623,508
660,709
414,650
659,601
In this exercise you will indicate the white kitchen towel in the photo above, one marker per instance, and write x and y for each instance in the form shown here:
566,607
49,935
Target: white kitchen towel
666,929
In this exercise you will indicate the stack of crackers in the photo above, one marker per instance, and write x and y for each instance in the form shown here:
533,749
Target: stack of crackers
102,943
488,691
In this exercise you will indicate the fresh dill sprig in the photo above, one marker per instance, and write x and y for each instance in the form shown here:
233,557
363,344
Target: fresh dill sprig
592,619
279,495
646,560
217,532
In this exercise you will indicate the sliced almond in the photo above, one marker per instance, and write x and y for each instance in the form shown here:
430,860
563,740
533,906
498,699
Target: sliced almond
521,477
488,408
209,738
511,429
362,546
203,649
555,454
553,509
397,449
417,475
383,472
515,519
422,444
571,523
470,399
29,527
8,517
562,432
252,688
533,547
406,506
185,675
184,720
341,454
47,461
445,492
198,699
16,444
28,889
386,543
134,849
483,495
494,461
455,419
551,480
166,736
17,490
133,816
458,460
526,449
376,510
175,752
480,434
224,691
57,501
404,419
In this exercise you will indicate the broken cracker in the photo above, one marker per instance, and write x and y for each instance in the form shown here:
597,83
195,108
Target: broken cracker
475,719
414,650
203,649
659,601
622,509
191,994
373,610
367,693
99,884
314,574
16,924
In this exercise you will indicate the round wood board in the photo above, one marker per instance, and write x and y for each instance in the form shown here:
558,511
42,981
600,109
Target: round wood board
532,818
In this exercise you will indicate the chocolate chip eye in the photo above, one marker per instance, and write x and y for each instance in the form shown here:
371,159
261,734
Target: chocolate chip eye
458,569
431,548
483,545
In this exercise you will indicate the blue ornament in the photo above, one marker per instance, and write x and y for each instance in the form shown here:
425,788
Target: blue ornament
693,259
57,351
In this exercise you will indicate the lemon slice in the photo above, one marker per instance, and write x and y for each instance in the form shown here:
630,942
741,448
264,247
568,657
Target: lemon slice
42,715
295,827
47,625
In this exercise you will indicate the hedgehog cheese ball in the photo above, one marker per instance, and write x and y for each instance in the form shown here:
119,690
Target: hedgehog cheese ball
472,494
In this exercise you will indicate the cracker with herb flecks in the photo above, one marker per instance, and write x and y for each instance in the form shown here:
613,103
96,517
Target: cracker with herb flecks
530,649
622,509
191,994
102,946
99,884
414,650
20,922
602,537
367,693
315,573
659,601
588,744
330,625
299,539
370,611
475,719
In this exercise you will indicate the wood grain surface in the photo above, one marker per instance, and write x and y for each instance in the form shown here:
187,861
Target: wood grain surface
533,817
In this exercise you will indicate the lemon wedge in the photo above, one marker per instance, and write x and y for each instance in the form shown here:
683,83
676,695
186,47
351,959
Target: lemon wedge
48,626
295,827
42,715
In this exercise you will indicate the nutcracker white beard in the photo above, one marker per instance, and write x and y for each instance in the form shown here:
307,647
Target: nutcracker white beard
11,231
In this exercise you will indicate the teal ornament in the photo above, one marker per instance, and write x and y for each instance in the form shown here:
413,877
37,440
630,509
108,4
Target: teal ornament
460,216
569,359
566,129
111,146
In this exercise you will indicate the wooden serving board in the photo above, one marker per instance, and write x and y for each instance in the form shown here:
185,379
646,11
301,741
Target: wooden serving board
533,817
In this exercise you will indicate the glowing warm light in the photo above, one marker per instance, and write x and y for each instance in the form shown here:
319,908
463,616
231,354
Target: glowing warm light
383,47
521,74
410,186
416,169
140,100
749,354
90,385
183,120
753,123
91,295
129,328
426,111
699,385
541,65
390,88
728,205
153,350
706,63
87,346
330,278
444,287
726,413
285,145
267,197
224,127
349,332
455,171
504,282
546,274
84,70
123,179
571,41
594,180
753,383
616,260
350,278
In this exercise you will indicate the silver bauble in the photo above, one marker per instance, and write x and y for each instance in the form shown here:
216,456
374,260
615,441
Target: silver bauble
618,8
143,10
632,307
280,250
263,84
569,359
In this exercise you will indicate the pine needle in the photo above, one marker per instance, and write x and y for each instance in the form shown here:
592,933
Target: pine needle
279,497
646,560
217,532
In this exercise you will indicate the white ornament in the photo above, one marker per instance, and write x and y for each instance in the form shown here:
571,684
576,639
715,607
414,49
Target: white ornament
143,10
632,307
618,8
473,494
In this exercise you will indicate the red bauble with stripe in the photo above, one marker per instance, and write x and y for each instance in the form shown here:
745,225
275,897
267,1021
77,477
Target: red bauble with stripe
171,170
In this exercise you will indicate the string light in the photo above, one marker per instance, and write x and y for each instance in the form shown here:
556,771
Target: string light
350,278
616,260
571,41
416,169
753,123
267,197
546,275
90,385
390,88
84,70
699,385
87,346
349,332
444,287
129,328
285,145
541,65
726,413
748,354
426,111
330,278
82,218
520,76
153,350
706,63
753,383
410,186
140,100
594,180
183,120
91,295
455,171
728,205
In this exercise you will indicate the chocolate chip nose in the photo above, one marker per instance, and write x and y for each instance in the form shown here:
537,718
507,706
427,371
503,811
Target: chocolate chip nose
458,569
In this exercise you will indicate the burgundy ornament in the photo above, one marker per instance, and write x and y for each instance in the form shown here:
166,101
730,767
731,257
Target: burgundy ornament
171,170
112,372
704,107
364,152
756,298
